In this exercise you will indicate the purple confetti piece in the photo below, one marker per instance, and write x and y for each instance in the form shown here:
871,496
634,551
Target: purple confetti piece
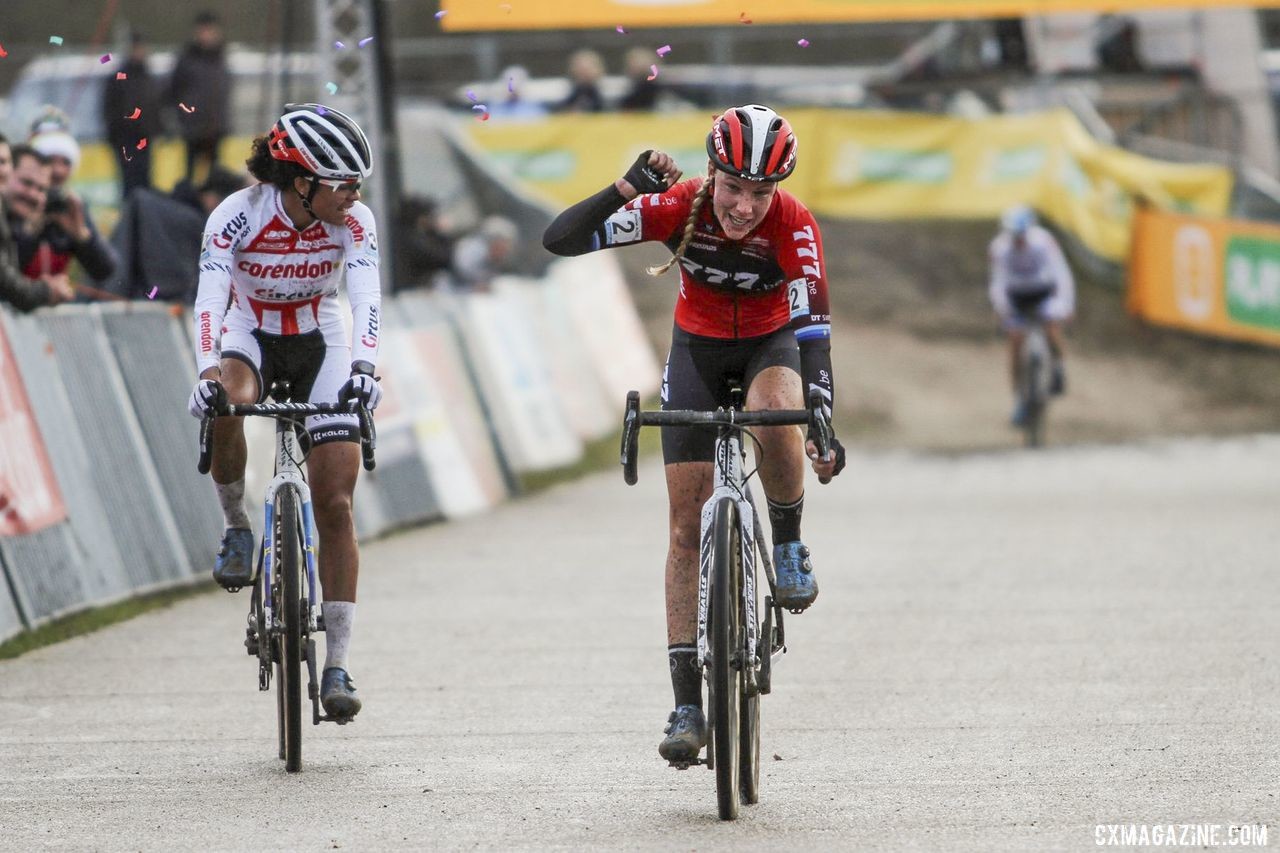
664,50
620,30
106,57
441,14
364,41
803,42
339,45
471,96
152,294
511,85
479,108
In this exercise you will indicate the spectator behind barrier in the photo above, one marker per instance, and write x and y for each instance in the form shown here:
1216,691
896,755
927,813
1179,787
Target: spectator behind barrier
131,113
424,249
66,229
644,89
586,69
201,82
478,258
158,238
24,182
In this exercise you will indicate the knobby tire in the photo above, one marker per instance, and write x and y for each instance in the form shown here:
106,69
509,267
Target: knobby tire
289,566
726,638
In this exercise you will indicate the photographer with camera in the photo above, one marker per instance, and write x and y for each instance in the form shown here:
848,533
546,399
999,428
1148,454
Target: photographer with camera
24,182
65,229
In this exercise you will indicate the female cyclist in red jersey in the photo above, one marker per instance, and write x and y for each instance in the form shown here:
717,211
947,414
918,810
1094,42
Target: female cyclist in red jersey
753,305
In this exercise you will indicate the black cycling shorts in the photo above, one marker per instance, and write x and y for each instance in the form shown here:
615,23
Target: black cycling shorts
315,371
698,376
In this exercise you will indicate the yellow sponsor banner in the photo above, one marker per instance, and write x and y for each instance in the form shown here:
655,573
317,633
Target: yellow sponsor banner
1217,277
885,165
462,15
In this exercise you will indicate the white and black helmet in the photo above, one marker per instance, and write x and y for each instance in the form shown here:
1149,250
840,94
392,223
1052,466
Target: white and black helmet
322,140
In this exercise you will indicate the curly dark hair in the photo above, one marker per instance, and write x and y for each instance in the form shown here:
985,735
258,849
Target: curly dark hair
269,170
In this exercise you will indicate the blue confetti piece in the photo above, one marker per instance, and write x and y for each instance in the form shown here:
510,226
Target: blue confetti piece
55,40
332,87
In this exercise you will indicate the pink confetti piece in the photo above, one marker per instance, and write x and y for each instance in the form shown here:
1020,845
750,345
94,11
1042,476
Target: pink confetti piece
441,14
152,294
3,52
339,45
120,75
105,58
137,111
803,42
186,109
55,40
142,143
743,19
620,30
481,111
364,41
664,50
653,73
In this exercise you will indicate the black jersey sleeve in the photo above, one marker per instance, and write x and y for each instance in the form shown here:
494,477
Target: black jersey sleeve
576,230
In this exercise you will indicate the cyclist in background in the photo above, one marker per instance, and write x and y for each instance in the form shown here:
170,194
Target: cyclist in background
1030,280
272,259
753,304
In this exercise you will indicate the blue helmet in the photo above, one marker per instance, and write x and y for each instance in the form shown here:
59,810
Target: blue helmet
1017,219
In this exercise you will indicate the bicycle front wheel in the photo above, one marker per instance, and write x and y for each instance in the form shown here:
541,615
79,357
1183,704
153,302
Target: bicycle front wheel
289,614
726,658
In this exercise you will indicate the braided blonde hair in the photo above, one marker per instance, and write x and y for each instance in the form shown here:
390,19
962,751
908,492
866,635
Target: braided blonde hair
698,199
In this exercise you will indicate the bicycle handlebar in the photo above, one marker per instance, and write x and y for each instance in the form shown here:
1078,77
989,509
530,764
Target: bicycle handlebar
633,419
368,434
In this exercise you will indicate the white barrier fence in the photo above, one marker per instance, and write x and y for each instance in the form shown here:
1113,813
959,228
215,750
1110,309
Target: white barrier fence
478,388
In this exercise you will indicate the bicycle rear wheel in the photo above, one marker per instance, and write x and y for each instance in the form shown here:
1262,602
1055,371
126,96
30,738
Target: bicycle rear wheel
289,613
726,639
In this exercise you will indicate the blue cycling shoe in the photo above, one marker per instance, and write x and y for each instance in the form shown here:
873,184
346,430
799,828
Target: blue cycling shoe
338,694
797,587
233,567
686,735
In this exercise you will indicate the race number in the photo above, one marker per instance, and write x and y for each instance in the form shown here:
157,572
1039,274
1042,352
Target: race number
798,297
623,227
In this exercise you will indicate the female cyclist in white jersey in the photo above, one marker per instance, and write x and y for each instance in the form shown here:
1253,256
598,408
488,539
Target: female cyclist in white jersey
272,259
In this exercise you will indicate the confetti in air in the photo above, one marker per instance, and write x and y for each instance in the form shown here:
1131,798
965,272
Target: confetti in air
364,41
471,96
620,30
142,143
331,87
120,75
55,40
653,73
803,42
511,85
187,109
137,111
3,52
152,294
481,111
441,14
743,19
664,50
124,152
105,58
339,45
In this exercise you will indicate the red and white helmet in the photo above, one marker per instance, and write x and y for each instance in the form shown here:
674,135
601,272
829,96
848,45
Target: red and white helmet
322,140
752,142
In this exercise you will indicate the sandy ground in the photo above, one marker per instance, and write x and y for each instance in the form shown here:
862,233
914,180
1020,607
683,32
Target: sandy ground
1009,649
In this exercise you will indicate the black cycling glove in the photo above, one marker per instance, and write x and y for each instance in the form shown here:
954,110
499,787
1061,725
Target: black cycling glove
644,177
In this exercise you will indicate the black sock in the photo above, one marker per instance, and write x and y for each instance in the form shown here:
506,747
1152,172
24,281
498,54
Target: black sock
686,680
785,521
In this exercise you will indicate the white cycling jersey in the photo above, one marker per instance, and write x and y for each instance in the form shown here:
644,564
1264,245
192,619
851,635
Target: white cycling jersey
259,272
1036,265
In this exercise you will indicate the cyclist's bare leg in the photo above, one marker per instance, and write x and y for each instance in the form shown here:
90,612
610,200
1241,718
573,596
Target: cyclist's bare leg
1016,337
783,463
688,487
1053,331
230,452
332,469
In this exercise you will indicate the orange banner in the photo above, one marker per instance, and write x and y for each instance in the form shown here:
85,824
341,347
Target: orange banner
461,15
1218,277
29,496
